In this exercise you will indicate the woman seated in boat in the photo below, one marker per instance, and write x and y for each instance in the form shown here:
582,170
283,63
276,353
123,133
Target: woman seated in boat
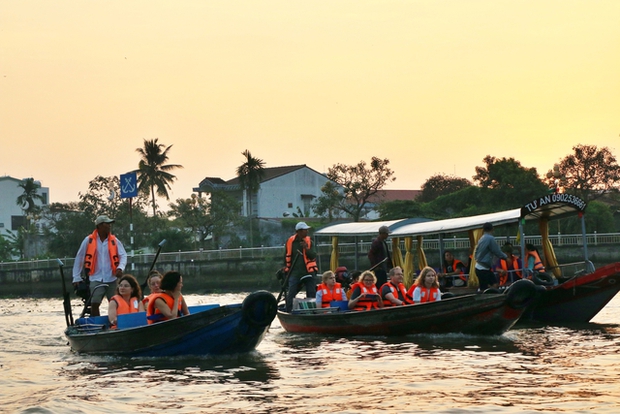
126,300
509,269
169,303
329,290
365,295
426,287
153,281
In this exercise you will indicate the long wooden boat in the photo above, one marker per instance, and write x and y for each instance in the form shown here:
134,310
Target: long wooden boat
485,314
209,329
578,292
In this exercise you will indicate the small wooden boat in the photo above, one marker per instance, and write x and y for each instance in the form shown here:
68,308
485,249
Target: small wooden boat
478,314
208,329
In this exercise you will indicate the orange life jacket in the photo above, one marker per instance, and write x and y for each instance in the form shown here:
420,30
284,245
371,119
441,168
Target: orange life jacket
399,293
538,264
123,307
329,295
152,312
426,294
90,258
311,266
503,279
364,303
455,266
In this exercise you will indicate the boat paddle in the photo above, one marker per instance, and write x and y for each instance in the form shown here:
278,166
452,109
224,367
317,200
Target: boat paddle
66,297
146,281
288,275
377,265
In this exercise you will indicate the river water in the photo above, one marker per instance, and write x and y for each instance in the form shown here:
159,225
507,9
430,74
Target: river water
528,369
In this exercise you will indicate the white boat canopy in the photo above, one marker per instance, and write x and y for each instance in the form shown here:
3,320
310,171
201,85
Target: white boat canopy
361,229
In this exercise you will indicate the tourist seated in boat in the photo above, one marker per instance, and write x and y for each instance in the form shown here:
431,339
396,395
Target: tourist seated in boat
509,269
453,273
365,295
169,303
533,262
126,299
426,287
394,293
329,290
153,281
355,277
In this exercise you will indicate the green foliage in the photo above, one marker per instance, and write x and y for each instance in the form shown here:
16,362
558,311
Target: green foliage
357,184
26,200
250,174
598,216
441,184
176,239
153,173
7,247
401,209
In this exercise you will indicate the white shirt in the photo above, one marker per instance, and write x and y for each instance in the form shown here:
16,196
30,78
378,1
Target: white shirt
103,268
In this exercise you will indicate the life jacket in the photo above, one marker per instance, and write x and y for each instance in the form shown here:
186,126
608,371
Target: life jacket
538,264
399,293
329,295
455,265
90,258
123,307
363,303
426,294
503,279
311,266
153,314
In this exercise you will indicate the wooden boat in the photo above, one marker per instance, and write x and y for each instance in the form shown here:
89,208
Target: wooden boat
486,314
209,329
577,291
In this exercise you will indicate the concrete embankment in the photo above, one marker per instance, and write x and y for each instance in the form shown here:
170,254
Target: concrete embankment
233,275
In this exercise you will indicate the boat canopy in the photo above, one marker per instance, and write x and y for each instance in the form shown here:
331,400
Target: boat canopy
360,229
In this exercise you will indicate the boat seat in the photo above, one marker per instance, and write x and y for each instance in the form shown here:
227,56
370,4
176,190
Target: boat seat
314,311
131,320
92,324
201,308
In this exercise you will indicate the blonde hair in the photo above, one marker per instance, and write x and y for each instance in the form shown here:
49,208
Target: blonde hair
420,279
367,273
327,275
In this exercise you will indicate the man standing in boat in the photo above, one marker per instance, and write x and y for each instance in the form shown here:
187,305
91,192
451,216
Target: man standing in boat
486,249
379,251
103,258
300,264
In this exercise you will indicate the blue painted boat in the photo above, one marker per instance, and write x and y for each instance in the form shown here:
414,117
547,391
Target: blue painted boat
207,330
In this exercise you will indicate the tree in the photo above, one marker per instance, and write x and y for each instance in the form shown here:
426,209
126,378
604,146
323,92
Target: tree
250,174
513,185
26,200
327,204
589,173
8,249
359,183
441,184
153,172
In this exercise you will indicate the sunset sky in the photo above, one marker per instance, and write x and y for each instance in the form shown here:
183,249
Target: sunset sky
434,86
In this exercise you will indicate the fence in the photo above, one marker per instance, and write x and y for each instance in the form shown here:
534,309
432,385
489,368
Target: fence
455,243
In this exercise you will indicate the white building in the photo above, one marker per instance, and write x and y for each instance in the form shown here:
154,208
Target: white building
283,191
11,214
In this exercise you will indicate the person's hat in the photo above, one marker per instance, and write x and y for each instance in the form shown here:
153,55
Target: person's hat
301,226
103,219
384,229
487,227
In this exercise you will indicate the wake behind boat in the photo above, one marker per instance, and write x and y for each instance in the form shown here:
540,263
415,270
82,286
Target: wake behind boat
208,329
484,314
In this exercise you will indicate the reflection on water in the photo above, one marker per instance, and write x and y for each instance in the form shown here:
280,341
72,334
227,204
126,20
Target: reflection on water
531,369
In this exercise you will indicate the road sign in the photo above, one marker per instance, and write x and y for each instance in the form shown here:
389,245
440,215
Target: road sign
129,185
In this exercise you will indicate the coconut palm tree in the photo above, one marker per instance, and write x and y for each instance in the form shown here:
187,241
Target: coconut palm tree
26,200
153,172
250,174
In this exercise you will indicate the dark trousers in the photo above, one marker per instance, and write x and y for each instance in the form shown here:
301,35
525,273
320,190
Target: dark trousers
381,275
486,278
294,285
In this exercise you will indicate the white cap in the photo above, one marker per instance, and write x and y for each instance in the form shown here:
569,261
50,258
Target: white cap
103,219
301,226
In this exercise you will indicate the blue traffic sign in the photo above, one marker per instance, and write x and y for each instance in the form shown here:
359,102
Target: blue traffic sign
129,185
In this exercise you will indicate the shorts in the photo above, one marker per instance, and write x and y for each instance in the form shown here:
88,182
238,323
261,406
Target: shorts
96,295
486,278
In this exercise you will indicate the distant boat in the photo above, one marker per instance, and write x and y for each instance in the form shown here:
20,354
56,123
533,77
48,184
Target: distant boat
208,329
479,314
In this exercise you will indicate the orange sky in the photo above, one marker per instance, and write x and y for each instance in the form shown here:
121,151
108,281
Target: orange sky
434,86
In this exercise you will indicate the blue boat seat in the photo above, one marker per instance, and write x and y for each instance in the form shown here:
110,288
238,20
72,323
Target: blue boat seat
201,308
131,320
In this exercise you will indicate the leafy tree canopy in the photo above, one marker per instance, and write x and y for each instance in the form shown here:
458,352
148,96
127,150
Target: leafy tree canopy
441,184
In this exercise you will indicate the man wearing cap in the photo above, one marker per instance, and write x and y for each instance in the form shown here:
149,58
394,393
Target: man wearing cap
485,250
103,258
379,251
300,264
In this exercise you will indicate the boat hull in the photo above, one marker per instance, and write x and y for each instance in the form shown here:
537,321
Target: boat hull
485,314
222,330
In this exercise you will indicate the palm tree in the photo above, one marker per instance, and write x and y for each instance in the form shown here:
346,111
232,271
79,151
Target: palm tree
153,173
26,200
250,174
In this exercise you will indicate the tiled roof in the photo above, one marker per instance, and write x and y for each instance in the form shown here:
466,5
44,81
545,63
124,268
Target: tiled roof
394,195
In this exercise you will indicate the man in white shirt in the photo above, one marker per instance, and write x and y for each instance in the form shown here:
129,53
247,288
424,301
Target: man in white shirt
103,258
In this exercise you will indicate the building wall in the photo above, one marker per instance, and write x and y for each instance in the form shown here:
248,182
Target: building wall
9,191
283,195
